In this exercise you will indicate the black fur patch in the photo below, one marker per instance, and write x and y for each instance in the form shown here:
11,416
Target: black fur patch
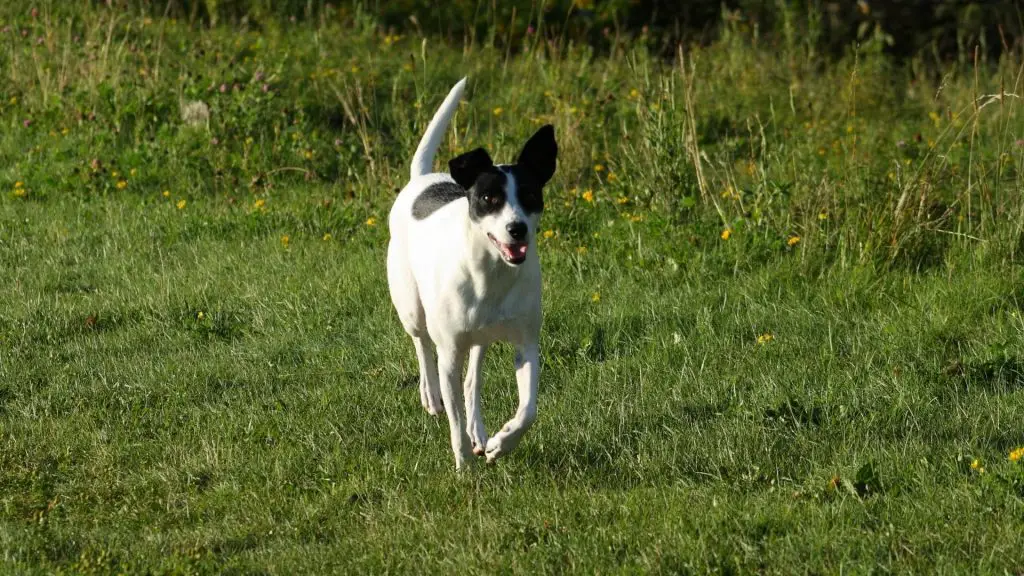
435,197
487,196
529,192
465,168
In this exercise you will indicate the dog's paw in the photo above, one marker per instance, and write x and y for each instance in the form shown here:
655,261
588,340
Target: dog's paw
430,401
493,449
464,462
479,442
434,409
479,449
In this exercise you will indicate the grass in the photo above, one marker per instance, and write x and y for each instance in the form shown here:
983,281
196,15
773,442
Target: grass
783,307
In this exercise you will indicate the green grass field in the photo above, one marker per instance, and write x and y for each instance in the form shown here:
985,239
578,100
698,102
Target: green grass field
784,307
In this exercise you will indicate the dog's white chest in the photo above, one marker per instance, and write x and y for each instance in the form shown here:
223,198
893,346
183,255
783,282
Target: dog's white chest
487,308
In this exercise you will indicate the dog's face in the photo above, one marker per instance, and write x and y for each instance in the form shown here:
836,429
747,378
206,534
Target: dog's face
505,201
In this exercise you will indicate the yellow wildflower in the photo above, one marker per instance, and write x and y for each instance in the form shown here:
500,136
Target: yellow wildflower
260,203
793,241
200,315
327,236
181,204
1017,454
976,465
765,338
115,174
581,250
612,177
621,200
634,94
588,196
935,117
121,184
284,240
132,172
166,193
20,193
371,221
497,111
595,297
549,234
726,234
823,215
308,154
19,184
598,168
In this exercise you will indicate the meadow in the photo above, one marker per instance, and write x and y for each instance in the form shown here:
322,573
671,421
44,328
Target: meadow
783,305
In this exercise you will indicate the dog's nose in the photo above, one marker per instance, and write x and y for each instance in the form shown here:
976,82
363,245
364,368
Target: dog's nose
517,230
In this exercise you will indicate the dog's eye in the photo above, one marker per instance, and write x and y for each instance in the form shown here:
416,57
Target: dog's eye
491,199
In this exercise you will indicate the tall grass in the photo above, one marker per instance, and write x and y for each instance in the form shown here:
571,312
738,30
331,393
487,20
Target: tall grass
767,142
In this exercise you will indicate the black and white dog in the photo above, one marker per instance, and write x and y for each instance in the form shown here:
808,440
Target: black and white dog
463,273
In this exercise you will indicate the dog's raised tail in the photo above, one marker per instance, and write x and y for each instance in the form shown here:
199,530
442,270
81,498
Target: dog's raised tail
423,160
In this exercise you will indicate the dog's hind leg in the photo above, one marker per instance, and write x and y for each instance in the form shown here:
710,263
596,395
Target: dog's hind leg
449,362
430,385
527,376
406,298
474,416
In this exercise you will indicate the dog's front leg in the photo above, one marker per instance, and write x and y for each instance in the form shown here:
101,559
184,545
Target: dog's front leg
449,363
474,416
527,377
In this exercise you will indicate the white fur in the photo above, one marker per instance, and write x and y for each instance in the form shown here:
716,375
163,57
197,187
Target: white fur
456,295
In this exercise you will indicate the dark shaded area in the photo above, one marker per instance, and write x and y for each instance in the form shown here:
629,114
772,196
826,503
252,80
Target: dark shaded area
792,413
997,375
942,29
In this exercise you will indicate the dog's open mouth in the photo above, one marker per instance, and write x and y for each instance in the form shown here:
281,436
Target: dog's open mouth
512,253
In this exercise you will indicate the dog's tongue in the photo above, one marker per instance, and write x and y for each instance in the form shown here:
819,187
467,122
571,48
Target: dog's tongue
517,251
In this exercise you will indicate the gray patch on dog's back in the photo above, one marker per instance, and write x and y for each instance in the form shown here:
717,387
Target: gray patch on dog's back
435,197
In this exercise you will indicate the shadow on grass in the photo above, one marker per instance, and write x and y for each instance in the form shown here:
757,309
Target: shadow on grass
999,375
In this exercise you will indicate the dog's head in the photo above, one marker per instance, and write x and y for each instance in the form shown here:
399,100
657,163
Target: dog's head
505,201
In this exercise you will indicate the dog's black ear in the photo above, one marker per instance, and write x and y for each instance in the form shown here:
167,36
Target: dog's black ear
466,167
540,153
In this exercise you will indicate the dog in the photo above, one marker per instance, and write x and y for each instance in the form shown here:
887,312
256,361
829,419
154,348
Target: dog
463,273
